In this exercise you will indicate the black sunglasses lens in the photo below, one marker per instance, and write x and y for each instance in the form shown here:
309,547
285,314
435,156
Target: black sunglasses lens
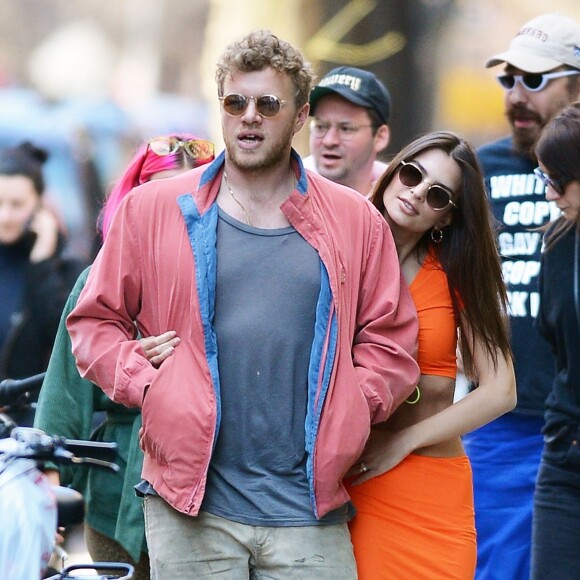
437,197
235,104
532,82
507,81
410,175
268,105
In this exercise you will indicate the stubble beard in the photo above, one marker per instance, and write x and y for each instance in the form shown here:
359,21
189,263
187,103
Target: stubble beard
265,158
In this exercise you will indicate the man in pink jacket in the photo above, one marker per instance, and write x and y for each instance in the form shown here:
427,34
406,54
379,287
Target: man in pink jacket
297,333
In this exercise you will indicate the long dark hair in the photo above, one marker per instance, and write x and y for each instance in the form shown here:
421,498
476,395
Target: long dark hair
468,251
558,148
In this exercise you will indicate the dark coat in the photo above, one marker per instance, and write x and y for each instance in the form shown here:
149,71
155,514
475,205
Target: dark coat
30,337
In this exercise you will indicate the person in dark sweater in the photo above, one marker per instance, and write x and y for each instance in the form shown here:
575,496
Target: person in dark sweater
35,279
556,521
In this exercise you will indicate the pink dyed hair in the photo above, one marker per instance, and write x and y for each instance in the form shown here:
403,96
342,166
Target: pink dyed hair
144,165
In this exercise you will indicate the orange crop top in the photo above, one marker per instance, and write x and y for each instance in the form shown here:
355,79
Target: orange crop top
437,322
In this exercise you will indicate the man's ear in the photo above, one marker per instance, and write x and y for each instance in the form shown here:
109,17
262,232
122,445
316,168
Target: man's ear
302,117
382,138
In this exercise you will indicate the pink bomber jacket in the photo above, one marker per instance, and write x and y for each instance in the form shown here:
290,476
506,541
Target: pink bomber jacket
156,272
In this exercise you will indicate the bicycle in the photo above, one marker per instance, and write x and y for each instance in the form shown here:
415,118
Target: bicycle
31,509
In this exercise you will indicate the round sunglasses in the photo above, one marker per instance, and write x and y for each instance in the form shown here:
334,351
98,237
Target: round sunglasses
532,82
438,197
194,148
236,104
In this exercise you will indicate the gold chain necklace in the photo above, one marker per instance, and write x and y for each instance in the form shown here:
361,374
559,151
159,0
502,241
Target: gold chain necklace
237,200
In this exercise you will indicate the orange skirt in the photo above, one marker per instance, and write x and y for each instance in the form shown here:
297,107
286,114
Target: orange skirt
416,521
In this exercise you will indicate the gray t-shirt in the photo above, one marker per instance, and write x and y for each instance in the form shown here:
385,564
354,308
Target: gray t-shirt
268,283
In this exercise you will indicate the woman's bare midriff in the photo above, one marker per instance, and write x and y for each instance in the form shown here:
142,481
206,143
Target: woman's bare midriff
436,394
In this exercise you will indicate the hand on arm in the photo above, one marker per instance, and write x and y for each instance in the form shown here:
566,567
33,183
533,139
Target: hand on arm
158,348
384,450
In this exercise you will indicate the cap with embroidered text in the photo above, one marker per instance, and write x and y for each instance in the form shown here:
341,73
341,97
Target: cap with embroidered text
543,44
357,86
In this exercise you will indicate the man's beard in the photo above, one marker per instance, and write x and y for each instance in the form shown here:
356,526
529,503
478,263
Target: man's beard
266,159
524,139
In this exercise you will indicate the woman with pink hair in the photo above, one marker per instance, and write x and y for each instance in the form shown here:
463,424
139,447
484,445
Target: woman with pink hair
114,527
158,158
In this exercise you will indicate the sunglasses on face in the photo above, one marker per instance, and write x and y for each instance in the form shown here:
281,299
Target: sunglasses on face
557,185
194,148
266,105
437,196
532,82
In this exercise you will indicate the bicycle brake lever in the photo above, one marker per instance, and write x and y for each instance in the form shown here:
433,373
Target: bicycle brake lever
96,463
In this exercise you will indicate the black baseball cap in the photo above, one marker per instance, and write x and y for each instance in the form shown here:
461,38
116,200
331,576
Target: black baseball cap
358,86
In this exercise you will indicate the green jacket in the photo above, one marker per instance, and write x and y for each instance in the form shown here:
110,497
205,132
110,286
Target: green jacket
67,406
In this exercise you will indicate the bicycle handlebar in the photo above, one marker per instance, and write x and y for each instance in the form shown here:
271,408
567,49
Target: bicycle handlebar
13,389
115,567
36,444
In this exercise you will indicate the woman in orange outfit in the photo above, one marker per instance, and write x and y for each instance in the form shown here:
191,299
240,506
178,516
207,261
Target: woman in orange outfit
413,487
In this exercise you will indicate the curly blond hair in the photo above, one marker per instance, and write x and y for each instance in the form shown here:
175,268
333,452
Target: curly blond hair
260,49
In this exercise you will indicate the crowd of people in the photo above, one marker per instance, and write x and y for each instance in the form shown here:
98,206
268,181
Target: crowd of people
274,342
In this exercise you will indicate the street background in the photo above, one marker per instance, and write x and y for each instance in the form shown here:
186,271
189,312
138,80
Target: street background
91,79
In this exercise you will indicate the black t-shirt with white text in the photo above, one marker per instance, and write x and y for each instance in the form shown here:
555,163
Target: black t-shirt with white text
519,203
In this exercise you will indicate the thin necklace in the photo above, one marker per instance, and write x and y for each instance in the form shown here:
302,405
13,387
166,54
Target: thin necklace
237,200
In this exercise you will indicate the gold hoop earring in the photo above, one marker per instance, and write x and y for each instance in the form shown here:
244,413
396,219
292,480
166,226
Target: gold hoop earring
437,235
